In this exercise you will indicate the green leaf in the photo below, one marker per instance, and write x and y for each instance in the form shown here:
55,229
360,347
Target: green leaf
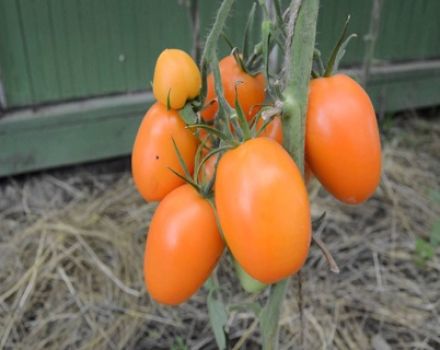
339,50
279,16
435,234
266,30
424,250
255,307
435,196
188,115
244,126
227,41
187,180
248,283
210,129
179,344
247,32
181,161
218,318
270,315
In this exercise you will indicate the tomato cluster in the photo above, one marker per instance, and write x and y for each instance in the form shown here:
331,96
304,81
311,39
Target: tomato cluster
252,183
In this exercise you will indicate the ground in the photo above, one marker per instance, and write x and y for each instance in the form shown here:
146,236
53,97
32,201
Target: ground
71,253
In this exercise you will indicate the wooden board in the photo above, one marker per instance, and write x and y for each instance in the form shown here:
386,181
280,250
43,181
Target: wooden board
106,127
58,50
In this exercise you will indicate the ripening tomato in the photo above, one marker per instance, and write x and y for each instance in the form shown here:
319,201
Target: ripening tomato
183,246
250,89
342,138
263,209
154,153
177,75
274,130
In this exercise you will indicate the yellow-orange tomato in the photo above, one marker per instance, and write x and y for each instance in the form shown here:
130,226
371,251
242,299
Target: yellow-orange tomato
250,90
274,130
183,246
177,75
342,138
154,153
263,209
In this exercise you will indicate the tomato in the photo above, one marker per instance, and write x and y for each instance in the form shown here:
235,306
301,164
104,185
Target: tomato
177,75
274,130
154,153
251,90
263,209
183,246
342,138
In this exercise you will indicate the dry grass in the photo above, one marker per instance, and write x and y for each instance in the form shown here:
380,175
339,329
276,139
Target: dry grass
71,246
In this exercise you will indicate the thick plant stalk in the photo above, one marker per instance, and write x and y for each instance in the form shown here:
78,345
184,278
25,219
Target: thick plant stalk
299,67
298,76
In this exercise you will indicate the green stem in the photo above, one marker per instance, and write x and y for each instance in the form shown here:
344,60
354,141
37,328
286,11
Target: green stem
299,64
297,85
216,31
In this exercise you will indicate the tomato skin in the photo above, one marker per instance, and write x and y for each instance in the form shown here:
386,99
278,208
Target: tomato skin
183,246
251,90
342,138
153,152
176,74
263,209
274,130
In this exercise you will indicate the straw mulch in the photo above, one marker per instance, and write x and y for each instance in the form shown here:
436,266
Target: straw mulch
71,253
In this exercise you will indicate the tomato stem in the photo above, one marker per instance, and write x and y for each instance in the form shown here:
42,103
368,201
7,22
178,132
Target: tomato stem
300,43
300,55
216,31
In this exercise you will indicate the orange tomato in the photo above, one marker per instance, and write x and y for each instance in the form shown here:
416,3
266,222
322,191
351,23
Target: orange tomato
251,90
342,138
274,130
177,75
263,209
183,246
154,153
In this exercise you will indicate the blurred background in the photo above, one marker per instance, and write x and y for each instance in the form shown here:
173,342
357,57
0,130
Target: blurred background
75,83
74,69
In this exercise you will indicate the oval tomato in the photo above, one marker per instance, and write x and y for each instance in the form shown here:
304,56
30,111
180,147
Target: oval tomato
263,209
177,75
251,90
274,130
154,153
183,246
342,138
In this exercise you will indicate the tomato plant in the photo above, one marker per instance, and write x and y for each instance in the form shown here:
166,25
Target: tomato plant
176,78
154,153
250,89
183,246
263,209
342,138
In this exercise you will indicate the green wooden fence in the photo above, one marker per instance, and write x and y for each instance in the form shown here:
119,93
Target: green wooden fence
75,74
